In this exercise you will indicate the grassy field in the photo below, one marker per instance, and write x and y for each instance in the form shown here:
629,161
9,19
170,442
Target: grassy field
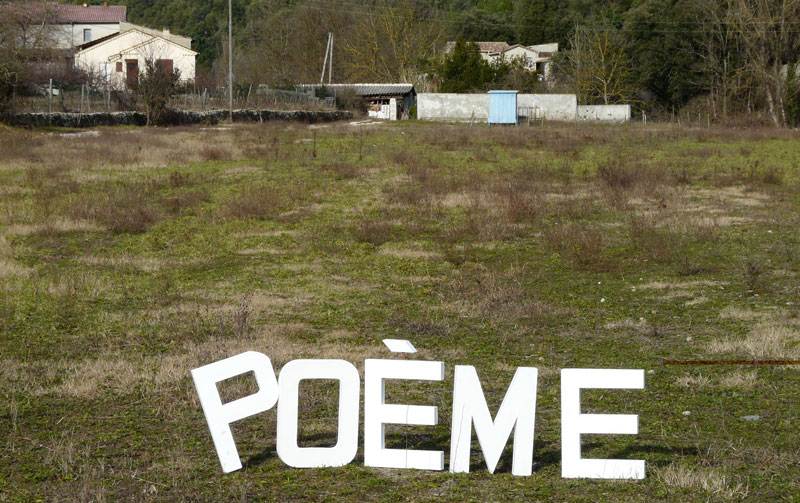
130,256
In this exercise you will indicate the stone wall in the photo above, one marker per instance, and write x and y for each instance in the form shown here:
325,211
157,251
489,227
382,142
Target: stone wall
175,117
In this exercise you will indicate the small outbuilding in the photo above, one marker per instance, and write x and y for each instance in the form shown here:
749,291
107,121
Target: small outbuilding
503,107
383,101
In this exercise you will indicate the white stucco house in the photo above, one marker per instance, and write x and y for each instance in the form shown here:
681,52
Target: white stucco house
118,58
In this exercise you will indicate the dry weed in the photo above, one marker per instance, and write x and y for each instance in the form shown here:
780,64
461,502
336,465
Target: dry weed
254,202
768,340
713,481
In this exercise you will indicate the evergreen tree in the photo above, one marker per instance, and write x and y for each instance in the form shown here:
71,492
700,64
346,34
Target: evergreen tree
464,70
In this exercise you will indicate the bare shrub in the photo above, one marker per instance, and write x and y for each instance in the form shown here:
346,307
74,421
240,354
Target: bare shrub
767,175
403,193
177,179
215,152
656,243
753,272
120,207
342,170
254,202
499,296
178,203
518,199
375,231
582,245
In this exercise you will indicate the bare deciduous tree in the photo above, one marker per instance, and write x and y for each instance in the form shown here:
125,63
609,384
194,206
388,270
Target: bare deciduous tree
596,65
388,41
26,35
769,38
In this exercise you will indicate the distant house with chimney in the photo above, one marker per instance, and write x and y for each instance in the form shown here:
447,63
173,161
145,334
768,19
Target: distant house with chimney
105,45
118,58
534,57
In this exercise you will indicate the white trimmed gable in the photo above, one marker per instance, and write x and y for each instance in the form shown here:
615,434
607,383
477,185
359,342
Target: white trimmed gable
110,57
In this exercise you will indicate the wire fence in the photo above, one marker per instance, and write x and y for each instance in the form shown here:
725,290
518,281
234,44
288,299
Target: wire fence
77,98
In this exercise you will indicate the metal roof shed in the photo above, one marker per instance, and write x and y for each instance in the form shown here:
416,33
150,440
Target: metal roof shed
503,107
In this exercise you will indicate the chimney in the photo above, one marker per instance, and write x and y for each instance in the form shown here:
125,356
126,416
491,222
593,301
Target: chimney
166,32
85,4
105,4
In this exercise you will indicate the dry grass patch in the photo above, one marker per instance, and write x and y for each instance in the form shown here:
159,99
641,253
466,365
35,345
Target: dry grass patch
122,374
265,250
710,480
408,253
697,381
54,226
253,202
9,268
266,302
144,264
498,296
768,340
739,379
743,314
702,299
737,195
681,285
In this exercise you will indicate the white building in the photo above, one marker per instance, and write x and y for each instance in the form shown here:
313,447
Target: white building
80,24
118,58
535,57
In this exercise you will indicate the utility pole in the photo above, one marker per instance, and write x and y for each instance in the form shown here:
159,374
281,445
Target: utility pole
230,60
325,61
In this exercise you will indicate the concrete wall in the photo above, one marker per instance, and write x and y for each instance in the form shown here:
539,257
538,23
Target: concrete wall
452,106
69,36
604,113
461,107
554,107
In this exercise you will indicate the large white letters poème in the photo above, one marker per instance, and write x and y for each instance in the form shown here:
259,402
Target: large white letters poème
220,417
377,414
349,392
517,413
573,423
518,410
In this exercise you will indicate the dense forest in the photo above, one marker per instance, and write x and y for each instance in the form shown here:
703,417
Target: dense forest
721,58
513,21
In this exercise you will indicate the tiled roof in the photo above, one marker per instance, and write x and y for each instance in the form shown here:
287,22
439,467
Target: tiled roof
483,46
367,89
91,14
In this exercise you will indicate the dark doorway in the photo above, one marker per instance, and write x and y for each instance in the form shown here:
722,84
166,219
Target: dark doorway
165,65
132,70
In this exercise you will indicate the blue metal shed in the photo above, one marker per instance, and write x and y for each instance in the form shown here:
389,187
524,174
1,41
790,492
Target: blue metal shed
502,107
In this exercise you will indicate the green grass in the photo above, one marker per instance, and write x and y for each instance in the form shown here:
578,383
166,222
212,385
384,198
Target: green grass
131,257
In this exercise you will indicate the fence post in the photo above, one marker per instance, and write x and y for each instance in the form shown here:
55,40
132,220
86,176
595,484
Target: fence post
50,99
